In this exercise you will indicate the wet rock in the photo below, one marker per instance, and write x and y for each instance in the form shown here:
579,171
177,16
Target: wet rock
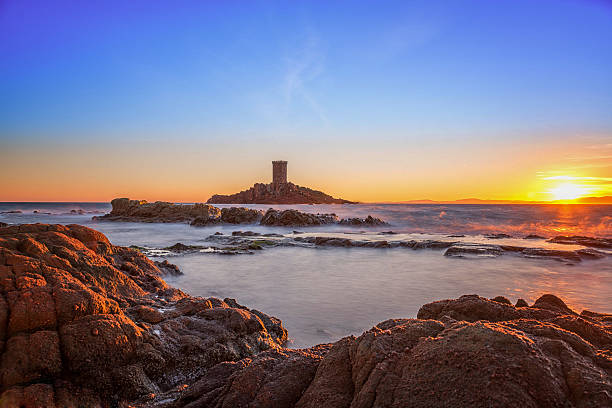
604,243
534,236
168,268
552,253
180,247
11,212
204,221
502,299
240,215
86,323
369,221
464,250
521,303
245,234
125,209
296,218
498,236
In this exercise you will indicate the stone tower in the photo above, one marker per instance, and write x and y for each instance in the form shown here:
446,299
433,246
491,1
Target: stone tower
279,172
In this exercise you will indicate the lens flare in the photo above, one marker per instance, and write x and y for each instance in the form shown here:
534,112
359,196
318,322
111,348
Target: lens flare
568,191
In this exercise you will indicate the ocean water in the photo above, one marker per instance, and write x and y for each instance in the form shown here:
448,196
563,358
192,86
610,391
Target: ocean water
324,293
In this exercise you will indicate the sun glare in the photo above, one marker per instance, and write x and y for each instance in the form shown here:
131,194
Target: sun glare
568,191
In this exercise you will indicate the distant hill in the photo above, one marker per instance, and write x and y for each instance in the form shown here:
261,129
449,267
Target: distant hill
595,200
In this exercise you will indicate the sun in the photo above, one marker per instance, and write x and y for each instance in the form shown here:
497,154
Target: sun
568,191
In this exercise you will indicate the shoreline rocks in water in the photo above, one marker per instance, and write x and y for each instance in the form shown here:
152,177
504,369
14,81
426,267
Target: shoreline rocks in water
277,193
201,215
87,323
464,352
602,243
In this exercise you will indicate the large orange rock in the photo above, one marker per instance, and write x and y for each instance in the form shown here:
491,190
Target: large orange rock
86,323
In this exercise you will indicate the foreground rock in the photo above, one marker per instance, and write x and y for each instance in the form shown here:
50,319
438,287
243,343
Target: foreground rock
87,323
277,193
467,352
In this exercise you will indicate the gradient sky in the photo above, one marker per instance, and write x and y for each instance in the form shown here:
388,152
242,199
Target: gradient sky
367,100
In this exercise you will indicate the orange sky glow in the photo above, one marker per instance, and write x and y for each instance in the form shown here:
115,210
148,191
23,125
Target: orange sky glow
378,171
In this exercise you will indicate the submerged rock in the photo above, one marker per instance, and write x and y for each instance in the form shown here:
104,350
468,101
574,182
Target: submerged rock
463,250
604,243
534,236
498,236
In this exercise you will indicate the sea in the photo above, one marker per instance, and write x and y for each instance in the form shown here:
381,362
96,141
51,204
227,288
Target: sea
324,293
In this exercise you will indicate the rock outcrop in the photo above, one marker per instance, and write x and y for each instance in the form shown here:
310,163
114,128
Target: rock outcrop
277,193
296,218
125,209
202,215
232,215
468,352
87,323
367,222
603,243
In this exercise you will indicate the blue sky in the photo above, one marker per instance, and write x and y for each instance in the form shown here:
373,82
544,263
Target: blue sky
354,72
202,68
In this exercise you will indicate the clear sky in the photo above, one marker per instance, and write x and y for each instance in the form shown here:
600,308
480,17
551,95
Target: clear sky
367,100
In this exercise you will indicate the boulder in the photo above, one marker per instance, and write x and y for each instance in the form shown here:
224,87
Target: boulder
87,323
369,221
296,218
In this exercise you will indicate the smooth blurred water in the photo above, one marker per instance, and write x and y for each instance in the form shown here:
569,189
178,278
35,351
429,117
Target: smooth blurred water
323,294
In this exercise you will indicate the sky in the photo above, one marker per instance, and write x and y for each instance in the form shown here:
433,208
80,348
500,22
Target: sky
367,100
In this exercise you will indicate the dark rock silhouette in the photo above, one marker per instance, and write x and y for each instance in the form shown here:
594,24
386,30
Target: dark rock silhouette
201,215
283,193
296,218
603,243
280,191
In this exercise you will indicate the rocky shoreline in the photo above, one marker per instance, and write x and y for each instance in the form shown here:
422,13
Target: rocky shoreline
87,323
246,242
124,209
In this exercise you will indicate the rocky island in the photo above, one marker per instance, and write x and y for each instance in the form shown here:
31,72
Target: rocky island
87,323
280,191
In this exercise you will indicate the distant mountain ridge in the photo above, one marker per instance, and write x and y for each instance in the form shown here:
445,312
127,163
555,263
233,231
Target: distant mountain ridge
582,200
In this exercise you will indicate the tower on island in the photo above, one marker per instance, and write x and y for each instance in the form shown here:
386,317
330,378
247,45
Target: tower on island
279,172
